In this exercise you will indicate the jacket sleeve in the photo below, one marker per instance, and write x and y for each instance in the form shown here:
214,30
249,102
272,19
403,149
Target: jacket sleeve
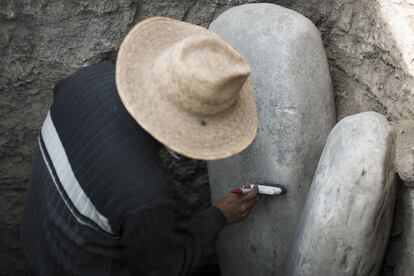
152,246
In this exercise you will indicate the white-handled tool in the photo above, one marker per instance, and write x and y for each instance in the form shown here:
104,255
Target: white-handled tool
264,189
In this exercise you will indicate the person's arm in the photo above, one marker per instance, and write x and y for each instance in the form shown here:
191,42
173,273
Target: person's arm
153,247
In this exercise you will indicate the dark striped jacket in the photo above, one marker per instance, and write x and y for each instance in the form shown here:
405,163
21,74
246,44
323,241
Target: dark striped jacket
97,200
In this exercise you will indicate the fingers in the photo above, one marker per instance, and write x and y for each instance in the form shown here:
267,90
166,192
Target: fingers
247,207
253,194
253,201
237,207
233,195
249,200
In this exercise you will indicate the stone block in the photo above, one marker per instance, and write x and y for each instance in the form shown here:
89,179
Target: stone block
291,82
346,223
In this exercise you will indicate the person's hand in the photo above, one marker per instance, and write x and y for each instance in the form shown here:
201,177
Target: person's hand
237,207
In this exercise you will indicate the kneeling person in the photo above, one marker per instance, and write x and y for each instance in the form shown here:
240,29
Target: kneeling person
98,201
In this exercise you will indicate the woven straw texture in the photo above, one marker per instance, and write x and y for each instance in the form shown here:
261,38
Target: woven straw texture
187,87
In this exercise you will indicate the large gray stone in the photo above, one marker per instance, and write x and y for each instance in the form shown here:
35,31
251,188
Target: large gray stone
346,224
290,77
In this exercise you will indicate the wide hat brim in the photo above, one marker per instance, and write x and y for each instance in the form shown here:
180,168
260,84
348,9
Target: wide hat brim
197,137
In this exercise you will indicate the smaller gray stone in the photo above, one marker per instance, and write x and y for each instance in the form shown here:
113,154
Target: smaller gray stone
346,224
404,157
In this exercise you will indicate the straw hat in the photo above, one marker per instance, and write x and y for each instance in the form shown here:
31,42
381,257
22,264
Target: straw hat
187,87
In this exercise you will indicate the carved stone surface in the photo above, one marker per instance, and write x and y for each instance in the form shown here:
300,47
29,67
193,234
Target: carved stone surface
290,77
347,219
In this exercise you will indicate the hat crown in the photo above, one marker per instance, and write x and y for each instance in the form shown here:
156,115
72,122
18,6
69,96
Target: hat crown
201,74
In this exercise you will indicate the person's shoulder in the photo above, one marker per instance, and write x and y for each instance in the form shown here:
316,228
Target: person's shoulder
97,68
99,71
94,73
87,80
